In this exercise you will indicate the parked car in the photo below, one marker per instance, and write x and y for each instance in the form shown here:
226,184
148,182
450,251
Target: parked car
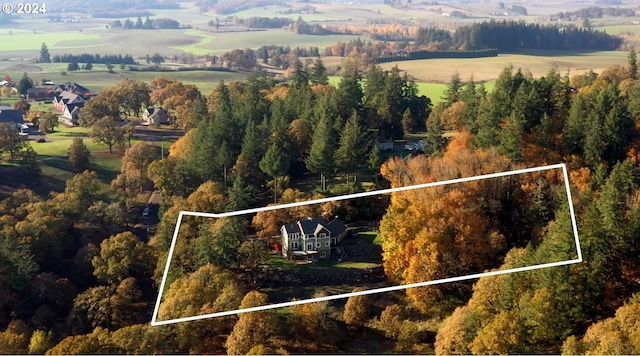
146,212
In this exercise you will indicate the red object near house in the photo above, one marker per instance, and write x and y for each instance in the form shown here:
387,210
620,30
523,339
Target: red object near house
277,247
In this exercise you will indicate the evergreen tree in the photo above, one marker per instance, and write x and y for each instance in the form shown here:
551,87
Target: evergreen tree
352,146
275,163
320,160
319,73
241,195
510,143
300,76
633,64
488,122
24,84
374,85
349,94
248,162
44,54
374,161
452,93
435,142
224,159
199,111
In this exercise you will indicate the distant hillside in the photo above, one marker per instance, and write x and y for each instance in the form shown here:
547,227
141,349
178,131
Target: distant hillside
231,6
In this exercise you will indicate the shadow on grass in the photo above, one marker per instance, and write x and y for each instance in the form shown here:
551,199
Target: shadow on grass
68,134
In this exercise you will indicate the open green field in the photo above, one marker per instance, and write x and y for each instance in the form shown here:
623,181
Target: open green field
22,40
433,91
99,79
620,29
139,43
331,12
485,69
201,43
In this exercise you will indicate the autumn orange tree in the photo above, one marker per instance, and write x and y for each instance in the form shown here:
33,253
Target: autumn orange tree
446,231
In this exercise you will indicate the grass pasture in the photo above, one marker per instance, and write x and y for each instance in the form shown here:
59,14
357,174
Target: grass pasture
21,40
202,43
620,29
485,69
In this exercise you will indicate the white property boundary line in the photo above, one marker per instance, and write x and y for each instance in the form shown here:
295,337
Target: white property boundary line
370,291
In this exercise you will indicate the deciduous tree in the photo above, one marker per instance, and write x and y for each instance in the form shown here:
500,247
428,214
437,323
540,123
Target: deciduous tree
107,132
79,155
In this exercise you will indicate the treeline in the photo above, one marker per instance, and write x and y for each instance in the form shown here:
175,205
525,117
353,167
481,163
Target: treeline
598,12
148,24
512,36
93,58
391,32
424,54
265,22
301,27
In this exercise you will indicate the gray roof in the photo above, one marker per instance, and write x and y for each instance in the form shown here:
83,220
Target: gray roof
14,116
37,90
311,226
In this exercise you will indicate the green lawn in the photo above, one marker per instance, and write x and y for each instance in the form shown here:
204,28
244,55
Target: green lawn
56,171
371,237
58,142
281,262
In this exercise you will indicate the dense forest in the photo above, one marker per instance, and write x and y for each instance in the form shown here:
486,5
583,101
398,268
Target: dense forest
75,279
93,58
512,36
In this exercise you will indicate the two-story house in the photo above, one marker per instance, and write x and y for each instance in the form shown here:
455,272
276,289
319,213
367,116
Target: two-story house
311,239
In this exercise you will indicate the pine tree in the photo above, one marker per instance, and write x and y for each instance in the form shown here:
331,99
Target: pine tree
224,159
349,94
352,146
275,163
452,93
633,64
320,160
374,161
44,54
300,76
374,85
510,143
435,142
319,73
